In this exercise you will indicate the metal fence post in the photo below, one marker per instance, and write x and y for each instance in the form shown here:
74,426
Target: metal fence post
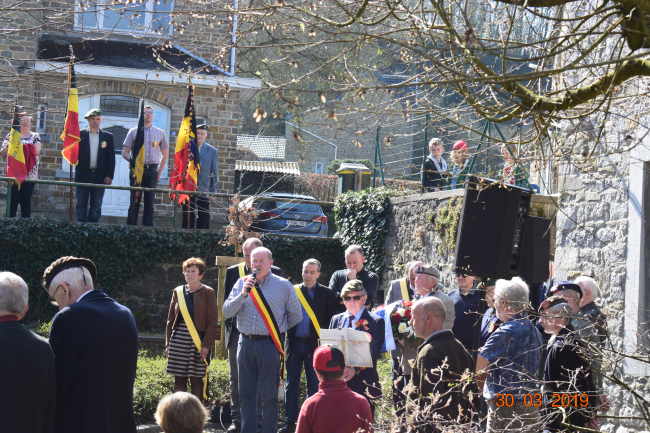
374,167
378,152
10,183
175,207
424,154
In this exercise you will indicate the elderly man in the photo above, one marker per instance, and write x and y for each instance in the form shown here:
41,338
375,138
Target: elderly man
431,376
355,270
566,372
95,345
28,379
435,167
466,299
207,182
401,289
511,359
96,165
588,333
589,308
233,274
156,151
362,381
318,307
258,356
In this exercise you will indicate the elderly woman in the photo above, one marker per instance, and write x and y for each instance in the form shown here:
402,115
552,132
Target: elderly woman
31,148
181,413
184,359
566,372
460,167
508,363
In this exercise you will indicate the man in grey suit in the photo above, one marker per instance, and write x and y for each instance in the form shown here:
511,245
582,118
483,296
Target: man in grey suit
206,182
396,292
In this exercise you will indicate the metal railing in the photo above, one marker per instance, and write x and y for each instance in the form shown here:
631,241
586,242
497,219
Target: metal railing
11,180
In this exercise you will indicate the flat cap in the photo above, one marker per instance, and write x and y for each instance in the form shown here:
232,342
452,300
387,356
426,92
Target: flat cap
93,112
203,126
552,302
352,286
67,263
429,270
566,285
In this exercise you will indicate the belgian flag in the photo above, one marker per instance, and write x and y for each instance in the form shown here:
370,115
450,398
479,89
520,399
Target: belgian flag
137,151
16,161
71,134
186,157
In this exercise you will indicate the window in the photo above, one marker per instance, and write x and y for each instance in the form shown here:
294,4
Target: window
41,120
143,17
318,168
123,106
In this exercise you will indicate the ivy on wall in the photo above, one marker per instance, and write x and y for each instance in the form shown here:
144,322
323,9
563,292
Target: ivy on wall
121,253
363,219
446,223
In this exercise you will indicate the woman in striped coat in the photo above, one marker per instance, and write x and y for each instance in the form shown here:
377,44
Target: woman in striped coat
183,358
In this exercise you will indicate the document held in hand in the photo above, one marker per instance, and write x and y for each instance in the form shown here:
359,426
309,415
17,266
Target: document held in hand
355,345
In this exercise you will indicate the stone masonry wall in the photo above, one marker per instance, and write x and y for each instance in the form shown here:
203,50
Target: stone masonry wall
409,217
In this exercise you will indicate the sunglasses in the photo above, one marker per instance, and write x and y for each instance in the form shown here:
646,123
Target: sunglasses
461,275
352,298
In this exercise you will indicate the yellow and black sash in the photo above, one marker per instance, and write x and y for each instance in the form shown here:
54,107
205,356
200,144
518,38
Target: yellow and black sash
193,332
262,307
405,292
242,269
307,308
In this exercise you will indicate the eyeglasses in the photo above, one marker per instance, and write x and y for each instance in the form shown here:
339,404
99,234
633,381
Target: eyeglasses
352,298
461,275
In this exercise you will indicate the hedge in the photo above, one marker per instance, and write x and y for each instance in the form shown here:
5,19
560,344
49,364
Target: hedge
29,246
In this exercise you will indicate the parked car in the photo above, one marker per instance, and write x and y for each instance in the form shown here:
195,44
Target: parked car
283,215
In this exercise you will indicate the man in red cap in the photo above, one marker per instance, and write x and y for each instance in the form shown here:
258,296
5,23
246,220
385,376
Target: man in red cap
460,167
335,407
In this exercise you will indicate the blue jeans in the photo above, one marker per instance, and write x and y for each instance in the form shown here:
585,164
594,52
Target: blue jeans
301,353
96,197
259,368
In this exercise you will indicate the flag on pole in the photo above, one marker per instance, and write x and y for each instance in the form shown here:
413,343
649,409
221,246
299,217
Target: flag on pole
71,132
16,161
186,157
137,151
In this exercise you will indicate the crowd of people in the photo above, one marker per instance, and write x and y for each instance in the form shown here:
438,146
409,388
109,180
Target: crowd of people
82,378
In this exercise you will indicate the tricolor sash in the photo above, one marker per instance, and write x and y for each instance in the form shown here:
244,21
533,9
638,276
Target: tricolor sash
193,332
263,308
307,308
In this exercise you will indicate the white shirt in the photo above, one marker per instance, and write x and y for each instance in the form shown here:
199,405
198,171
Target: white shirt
82,295
94,148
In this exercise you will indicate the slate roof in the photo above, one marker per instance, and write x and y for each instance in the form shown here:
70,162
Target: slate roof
269,167
119,54
264,147
403,94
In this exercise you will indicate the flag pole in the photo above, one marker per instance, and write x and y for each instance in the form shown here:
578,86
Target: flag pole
67,98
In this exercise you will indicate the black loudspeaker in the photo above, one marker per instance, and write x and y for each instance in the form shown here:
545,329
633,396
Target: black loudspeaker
491,228
535,250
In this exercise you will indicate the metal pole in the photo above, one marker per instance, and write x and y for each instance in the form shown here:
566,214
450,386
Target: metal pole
487,151
70,192
10,185
381,166
471,165
175,208
424,153
374,167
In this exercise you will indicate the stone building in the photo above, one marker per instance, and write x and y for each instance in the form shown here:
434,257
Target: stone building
116,49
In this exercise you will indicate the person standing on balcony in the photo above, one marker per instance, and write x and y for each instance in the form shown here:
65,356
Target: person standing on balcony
435,167
460,167
96,165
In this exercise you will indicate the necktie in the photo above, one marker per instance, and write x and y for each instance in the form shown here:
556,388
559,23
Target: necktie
350,319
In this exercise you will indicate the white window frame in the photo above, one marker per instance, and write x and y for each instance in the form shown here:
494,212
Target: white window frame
41,126
100,7
316,168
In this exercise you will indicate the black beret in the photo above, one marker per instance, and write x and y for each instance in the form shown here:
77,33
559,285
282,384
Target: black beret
552,302
67,263
567,285
202,126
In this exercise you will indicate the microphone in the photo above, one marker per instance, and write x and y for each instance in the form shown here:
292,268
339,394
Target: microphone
254,276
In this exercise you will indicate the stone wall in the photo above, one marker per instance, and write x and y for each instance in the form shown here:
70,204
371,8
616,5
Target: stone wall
412,237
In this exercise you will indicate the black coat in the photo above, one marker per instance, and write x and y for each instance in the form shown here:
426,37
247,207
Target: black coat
105,157
232,276
27,381
369,279
366,380
432,177
95,345
324,307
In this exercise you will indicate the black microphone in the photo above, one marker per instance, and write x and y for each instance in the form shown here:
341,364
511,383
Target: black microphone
254,275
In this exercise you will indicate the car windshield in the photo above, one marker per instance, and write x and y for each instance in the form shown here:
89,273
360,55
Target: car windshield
297,207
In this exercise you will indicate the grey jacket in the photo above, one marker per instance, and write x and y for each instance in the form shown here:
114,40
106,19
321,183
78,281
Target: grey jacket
209,173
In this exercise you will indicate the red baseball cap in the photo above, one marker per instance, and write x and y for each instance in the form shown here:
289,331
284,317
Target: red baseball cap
460,145
328,358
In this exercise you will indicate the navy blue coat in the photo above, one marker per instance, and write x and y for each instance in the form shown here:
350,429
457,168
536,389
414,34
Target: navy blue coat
95,345
366,379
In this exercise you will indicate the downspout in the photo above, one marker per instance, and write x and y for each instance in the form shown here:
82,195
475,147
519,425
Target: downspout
336,148
234,39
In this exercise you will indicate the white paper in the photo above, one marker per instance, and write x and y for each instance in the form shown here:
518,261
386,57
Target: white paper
355,345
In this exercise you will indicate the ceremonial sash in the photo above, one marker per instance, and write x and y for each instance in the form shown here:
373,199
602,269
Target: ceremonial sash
405,292
194,334
242,270
307,308
263,308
